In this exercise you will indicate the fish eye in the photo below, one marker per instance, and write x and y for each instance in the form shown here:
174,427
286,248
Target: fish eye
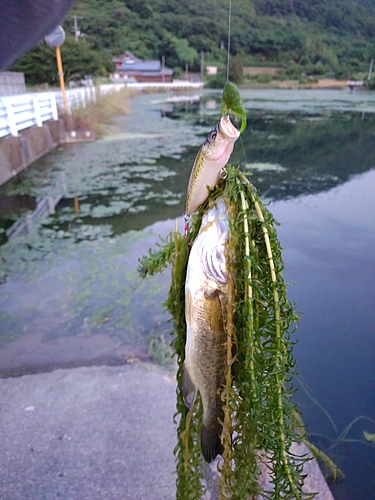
212,135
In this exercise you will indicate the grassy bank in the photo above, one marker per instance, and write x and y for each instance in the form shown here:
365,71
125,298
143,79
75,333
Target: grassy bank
294,84
98,115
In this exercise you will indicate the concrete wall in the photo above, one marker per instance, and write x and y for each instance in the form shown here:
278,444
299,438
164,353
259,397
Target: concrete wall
18,153
12,83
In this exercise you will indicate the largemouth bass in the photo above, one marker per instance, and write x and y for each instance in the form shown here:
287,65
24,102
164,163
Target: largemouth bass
206,293
211,158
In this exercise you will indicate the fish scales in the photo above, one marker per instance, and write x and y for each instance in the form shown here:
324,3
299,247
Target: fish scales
211,158
205,352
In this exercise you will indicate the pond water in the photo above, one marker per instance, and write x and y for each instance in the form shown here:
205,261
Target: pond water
70,293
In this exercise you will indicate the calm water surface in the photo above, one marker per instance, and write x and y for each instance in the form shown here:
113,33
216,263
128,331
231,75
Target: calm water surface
70,293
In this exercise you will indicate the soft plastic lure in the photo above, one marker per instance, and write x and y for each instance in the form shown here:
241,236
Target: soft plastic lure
231,104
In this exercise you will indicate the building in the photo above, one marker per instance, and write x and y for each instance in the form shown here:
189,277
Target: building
130,67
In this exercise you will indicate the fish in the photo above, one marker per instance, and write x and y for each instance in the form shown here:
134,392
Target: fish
206,293
211,159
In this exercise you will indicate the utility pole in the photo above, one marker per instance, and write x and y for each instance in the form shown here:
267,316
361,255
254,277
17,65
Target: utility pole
202,65
77,31
370,70
162,68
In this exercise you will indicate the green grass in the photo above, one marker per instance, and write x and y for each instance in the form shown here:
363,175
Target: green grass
99,115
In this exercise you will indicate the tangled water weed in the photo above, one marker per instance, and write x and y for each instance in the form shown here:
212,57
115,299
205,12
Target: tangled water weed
258,412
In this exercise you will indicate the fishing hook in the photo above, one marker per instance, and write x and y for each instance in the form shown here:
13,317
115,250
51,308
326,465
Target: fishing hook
223,173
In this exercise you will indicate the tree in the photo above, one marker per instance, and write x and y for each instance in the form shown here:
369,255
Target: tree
236,68
184,52
79,59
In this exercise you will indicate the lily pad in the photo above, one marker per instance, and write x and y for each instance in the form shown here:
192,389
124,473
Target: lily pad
369,437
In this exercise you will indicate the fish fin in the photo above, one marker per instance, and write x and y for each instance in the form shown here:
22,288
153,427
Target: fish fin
211,444
189,391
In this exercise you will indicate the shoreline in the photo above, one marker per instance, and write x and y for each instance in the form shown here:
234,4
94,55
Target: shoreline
295,85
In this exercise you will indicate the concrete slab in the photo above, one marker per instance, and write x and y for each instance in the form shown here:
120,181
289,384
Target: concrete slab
88,433
96,433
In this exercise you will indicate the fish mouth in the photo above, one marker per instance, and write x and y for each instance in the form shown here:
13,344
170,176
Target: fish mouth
227,128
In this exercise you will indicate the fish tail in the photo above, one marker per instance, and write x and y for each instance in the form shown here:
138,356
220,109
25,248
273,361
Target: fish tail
211,444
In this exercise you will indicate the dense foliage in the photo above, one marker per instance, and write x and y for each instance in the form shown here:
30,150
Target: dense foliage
336,37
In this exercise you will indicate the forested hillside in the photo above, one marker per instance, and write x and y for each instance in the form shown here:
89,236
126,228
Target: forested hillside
335,37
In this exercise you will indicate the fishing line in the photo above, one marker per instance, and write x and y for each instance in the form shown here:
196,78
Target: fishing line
241,142
229,23
243,151
228,65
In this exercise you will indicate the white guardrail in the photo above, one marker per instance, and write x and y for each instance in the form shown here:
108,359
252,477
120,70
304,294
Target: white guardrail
176,85
75,97
18,112
25,110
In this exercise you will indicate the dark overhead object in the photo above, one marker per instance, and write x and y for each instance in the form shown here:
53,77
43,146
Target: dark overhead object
23,23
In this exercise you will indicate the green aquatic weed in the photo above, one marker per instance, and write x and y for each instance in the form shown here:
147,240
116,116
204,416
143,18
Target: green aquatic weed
156,262
160,350
258,408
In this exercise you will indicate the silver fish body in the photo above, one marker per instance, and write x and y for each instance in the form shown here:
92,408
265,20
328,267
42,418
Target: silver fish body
206,292
211,158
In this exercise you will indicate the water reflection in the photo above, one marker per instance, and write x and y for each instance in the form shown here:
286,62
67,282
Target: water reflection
328,242
316,146
289,153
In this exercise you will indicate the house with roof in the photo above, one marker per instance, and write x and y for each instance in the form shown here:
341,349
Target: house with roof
128,66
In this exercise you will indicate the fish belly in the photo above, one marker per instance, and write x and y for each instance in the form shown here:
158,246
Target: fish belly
205,351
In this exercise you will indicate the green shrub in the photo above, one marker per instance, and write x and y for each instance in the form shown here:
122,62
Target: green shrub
294,71
215,82
177,72
264,78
